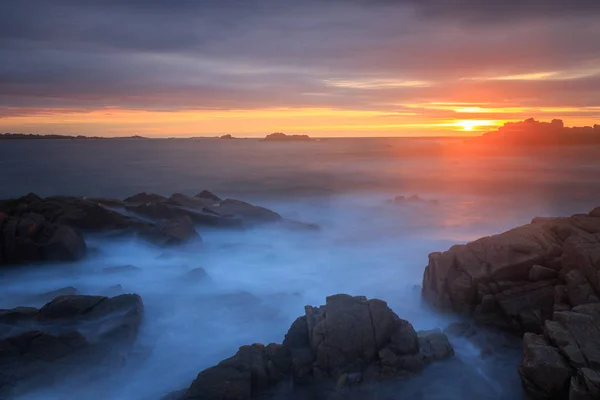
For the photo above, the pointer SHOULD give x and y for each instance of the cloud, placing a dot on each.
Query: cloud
(354, 54)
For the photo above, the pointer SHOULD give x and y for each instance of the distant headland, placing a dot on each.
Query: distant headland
(535, 133)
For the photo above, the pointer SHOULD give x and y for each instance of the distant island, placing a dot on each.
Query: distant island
(282, 137)
(32, 136)
(535, 133)
(227, 137)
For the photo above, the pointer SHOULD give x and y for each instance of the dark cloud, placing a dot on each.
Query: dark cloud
(250, 54)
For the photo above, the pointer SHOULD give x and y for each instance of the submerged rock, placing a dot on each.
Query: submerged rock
(346, 342)
(31, 238)
(69, 336)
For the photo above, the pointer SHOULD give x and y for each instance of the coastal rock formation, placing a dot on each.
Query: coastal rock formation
(31, 238)
(171, 232)
(541, 279)
(230, 208)
(66, 210)
(347, 341)
(70, 335)
(517, 279)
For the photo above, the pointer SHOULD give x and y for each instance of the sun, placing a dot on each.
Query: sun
(470, 125)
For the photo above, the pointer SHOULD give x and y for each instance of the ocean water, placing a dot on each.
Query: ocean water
(261, 279)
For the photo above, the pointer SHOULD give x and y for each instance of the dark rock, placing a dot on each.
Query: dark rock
(238, 209)
(145, 198)
(31, 238)
(73, 211)
(171, 232)
(46, 297)
(539, 273)
(121, 269)
(488, 278)
(544, 371)
(348, 341)
(196, 275)
(191, 202)
(282, 137)
(160, 211)
(206, 195)
(86, 332)
(106, 201)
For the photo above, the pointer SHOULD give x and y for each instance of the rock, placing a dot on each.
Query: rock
(171, 232)
(191, 202)
(539, 273)
(434, 345)
(106, 201)
(348, 341)
(31, 238)
(247, 212)
(282, 137)
(595, 212)
(46, 297)
(67, 336)
(121, 269)
(196, 275)
(160, 211)
(145, 198)
(490, 278)
(544, 371)
(72, 211)
(206, 195)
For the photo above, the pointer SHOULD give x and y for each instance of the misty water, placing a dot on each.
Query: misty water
(261, 279)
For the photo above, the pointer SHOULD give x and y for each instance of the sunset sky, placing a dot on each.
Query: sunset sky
(325, 68)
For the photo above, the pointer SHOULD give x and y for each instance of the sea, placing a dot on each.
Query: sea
(261, 279)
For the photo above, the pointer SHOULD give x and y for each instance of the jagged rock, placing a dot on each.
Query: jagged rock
(239, 209)
(196, 275)
(490, 278)
(145, 198)
(69, 335)
(171, 232)
(31, 238)
(163, 210)
(544, 371)
(72, 211)
(540, 273)
(348, 341)
(191, 202)
(206, 195)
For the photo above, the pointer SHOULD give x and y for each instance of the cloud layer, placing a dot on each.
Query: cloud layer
(509, 59)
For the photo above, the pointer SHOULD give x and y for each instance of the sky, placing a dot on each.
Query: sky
(319, 67)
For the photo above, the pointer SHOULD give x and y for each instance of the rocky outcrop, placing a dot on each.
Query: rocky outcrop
(145, 198)
(67, 336)
(247, 212)
(31, 238)
(169, 232)
(349, 340)
(564, 362)
(543, 280)
(76, 212)
(282, 137)
(171, 210)
(517, 279)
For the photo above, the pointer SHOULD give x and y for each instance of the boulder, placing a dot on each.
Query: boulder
(514, 280)
(171, 232)
(207, 195)
(247, 212)
(191, 202)
(31, 238)
(566, 359)
(348, 341)
(145, 198)
(196, 275)
(67, 337)
(164, 210)
(72, 211)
